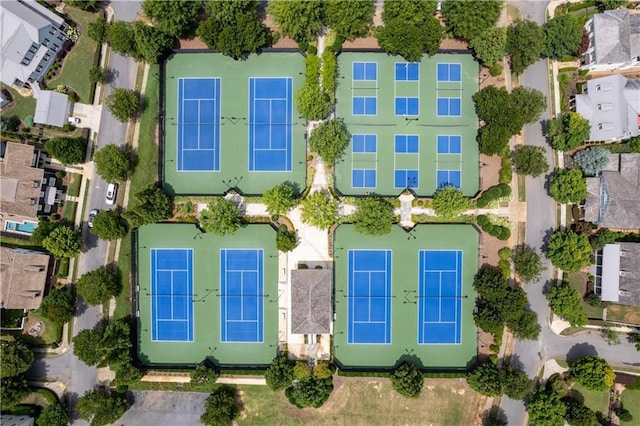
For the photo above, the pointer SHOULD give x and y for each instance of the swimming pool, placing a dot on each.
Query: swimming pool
(24, 227)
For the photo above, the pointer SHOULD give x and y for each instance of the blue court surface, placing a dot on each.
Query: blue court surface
(241, 295)
(449, 144)
(407, 106)
(172, 295)
(369, 297)
(449, 178)
(270, 124)
(198, 124)
(363, 178)
(449, 72)
(365, 105)
(407, 71)
(448, 107)
(405, 178)
(406, 144)
(364, 143)
(440, 292)
(365, 71)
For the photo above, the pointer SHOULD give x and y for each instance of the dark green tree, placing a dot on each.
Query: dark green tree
(319, 209)
(151, 42)
(204, 374)
(66, 150)
(98, 286)
(525, 326)
(601, 238)
(530, 102)
(227, 12)
(82, 4)
(562, 35)
(54, 414)
(493, 139)
(568, 131)
(414, 12)
(152, 206)
(488, 317)
(515, 382)
(113, 163)
(578, 414)
(97, 30)
(525, 42)
(98, 74)
(592, 160)
(527, 263)
(566, 303)
(59, 305)
(495, 106)
(101, 407)
(279, 375)
(469, 19)
(373, 216)
(609, 5)
(489, 46)
(87, 345)
(63, 241)
(177, 18)
(221, 408)
(531, 160)
(221, 217)
(123, 104)
(329, 140)
(42, 231)
(407, 380)
(109, 225)
(569, 251)
(546, 408)
(485, 379)
(13, 390)
(286, 240)
(450, 202)
(300, 20)
(279, 199)
(349, 18)
(309, 392)
(15, 358)
(410, 41)
(593, 372)
(490, 283)
(567, 186)
(105, 344)
(247, 36)
(311, 101)
(122, 39)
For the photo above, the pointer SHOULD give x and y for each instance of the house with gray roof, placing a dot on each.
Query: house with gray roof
(614, 40)
(613, 198)
(52, 108)
(617, 273)
(311, 311)
(612, 105)
(32, 36)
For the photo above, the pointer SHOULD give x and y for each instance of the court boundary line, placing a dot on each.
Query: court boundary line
(366, 153)
(259, 298)
(192, 309)
(395, 156)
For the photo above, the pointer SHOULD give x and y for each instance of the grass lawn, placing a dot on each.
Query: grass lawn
(22, 106)
(76, 65)
(146, 172)
(596, 400)
(522, 188)
(73, 186)
(52, 331)
(623, 313)
(69, 213)
(631, 400)
(17, 242)
(578, 283)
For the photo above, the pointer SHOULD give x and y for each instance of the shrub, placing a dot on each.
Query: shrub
(493, 193)
(506, 173)
(504, 253)
(407, 380)
(495, 70)
(500, 232)
(301, 370)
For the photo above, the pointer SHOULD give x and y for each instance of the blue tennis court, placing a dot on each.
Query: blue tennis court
(407, 71)
(449, 144)
(407, 106)
(172, 295)
(241, 295)
(405, 178)
(270, 124)
(449, 178)
(406, 144)
(369, 297)
(448, 107)
(365, 71)
(365, 105)
(449, 72)
(364, 143)
(440, 292)
(198, 124)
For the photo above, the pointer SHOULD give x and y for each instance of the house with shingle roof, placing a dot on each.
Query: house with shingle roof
(311, 301)
(23, 276)
(614, 41)
(617, 273)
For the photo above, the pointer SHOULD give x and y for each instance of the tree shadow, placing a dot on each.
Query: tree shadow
(580, 350)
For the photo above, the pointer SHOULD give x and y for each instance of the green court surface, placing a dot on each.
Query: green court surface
(404, 305)
(398, 170)
(231, 116)
(206, 304)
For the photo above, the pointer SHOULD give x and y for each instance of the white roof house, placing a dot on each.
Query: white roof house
(52, 108)
(618, 273)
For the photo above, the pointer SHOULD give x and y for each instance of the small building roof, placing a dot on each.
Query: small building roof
(621, 273)
(23, 275)
(610, 273)
(52, 108)
(615, 36)
(311, 301)
(20, 182)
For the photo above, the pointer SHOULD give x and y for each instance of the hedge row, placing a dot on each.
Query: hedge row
(493, 193)
(425, 374)
(500, 232)
(506, 172)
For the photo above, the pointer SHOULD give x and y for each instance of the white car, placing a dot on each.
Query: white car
(112, 190)
(92, 215)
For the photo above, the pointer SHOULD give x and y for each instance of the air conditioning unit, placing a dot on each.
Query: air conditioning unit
(623, 253)
(623, 273)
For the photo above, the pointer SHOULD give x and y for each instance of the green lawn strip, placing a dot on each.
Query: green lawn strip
(22, 106)
(17, 242)
(522, 188)
(70, 211)
(631, 400)
(596, 400)
(623, 313)
(52, 332)
(577, 283)
(145, 172)
(76, 65)
(73, 188)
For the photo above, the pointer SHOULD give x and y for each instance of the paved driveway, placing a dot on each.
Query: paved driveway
(165, 409)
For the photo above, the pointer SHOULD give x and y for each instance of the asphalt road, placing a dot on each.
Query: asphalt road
(541, 220)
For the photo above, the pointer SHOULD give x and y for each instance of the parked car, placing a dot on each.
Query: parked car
(74, 120)
(112, 190)
(92, 215)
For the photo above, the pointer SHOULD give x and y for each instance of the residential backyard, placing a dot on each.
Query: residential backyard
(631, 401)
(623, 313)
(578, 282)
(596, 400)
(74, 72)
